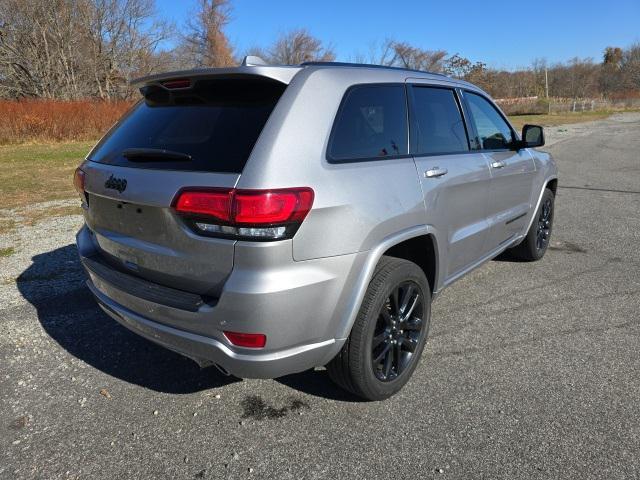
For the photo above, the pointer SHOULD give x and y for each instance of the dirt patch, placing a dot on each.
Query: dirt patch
(12, 218)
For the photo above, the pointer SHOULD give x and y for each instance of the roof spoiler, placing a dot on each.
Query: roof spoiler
(251, 66)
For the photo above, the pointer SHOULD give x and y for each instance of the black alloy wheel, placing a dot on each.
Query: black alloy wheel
(397, 332)
(544, 225)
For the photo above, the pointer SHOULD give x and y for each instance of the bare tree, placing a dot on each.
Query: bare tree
(76, 48)
(122, 37)
(298, 46)
(379, 53)
(620, 71)
(578, 78)
(205, 44)
(392, 53)
(630, 66)
(408, 56)
(38, 49)
(611, 76)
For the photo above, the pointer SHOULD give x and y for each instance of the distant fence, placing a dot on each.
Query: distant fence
(539, 105)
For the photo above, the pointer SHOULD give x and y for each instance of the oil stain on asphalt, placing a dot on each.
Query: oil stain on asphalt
(568, 247)
(256, 408)
(20, 422)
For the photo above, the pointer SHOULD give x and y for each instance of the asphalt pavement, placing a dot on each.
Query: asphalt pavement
(531, 371)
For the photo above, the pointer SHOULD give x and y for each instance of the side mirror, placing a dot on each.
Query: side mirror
(532, 136)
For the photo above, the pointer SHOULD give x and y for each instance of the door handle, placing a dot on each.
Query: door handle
(435, 172)
(498, 164)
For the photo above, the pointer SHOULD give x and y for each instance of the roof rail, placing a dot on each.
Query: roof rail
(367, 65)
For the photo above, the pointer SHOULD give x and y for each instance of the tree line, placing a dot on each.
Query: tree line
(73, 49)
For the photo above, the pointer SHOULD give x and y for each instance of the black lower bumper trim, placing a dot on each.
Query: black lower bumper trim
(142, 288)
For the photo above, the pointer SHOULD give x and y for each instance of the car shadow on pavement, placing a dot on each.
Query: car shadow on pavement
(507, 256)
(317, 383)
(55, 285)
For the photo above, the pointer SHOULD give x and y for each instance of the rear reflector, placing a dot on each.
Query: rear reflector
(249, 340)
(78, 181)
(255, 214)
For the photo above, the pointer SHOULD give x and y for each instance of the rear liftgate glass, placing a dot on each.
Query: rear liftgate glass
(208, 125)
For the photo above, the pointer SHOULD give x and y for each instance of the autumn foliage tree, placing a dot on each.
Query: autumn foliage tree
(206, 44)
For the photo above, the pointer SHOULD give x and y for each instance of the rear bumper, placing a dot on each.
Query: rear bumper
(299, 310)
(205, 350)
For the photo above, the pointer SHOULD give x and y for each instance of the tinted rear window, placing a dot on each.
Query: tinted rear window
(216, 123)
(371, 123)
(438, 120)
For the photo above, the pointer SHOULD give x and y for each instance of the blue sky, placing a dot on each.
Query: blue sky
(500, 33)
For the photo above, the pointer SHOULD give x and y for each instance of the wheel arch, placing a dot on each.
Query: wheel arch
(420, 250)
(551, 183)
(403, 244)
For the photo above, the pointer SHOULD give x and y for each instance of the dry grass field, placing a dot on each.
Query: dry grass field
(558, 118)
(55, 121)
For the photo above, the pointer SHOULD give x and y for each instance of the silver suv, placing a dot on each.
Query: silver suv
(272, 219)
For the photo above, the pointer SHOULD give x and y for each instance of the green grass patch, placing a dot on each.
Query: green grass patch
(32, 173)
(7, 252)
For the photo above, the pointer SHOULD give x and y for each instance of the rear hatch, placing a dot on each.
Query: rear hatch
(183, 133)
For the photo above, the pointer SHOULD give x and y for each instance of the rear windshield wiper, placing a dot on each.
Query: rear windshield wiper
(150, 154)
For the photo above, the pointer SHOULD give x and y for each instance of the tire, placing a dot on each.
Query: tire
(354, 368)
(535, 244)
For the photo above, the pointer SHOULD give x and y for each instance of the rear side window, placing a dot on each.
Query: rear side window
(371, 124)
(438, 121)
(492, 129)
(211, 127)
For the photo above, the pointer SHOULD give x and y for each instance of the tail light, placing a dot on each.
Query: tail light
(249, 340)
(78, 182)
(245, 214)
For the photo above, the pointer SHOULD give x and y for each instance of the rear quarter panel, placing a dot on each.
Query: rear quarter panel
(356, 204)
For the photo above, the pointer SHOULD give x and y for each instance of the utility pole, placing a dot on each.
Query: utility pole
(546, 83)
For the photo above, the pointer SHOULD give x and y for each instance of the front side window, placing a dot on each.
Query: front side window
(493, 132)
(438, 121)
(371, 124)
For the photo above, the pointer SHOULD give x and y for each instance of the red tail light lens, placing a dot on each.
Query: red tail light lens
(272, 206)
(78, 181)
(249, 340)
(255, 214)
(214, 203)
